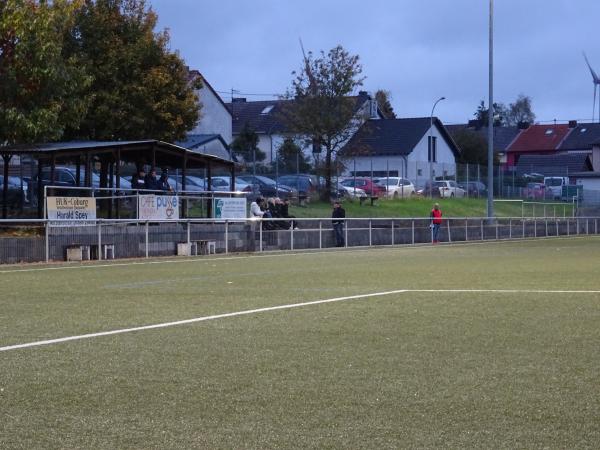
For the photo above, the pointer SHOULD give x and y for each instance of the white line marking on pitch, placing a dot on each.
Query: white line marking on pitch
(306, 252)
(280, 307)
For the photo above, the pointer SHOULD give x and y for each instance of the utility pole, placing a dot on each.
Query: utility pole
(490, 182)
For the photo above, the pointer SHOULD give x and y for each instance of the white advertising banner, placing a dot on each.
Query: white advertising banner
(71, 211)
(229, 208)
(158, 207)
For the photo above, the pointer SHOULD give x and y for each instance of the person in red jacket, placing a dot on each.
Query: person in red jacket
(436, 221)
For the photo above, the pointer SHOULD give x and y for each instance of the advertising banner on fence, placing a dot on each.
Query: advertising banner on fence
(158, 207)
(229, 208)
(71, 211)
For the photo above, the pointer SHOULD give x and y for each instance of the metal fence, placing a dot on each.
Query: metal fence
(38, 241)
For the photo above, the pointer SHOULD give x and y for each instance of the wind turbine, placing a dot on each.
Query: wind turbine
(596, 80)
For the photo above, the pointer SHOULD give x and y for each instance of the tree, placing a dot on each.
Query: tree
(520, 111)
(473, 147)
(384, 102)
(246, 145)
(291, 158)
(41, 88)
(500, 114)
(322, 109)
(140, 88)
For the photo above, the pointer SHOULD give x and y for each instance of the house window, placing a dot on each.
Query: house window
(432, 149)
(419, 172)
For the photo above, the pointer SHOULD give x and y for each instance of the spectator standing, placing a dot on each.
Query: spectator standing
(436, 222)
(256, 211)
(338, 215)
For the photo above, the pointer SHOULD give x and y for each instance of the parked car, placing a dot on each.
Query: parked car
(192, 183)
(370, 187)
(268, 187)
(429, 190)
(555, 185)
(223, 183)
(67, 177)
(16, 195)
(306, 185)
(536, 191)
(474, 188)
(397, 187)
(348, 192)
(449, 188)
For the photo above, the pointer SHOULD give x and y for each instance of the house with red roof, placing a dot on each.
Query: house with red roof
(537, 140)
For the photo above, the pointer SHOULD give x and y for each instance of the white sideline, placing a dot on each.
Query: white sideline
(304, 252)
(280, 307)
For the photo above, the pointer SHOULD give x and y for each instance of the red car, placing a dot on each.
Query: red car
(371, 188)
(536, 191)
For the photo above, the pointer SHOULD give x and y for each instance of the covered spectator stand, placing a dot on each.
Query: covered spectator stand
(100, 165)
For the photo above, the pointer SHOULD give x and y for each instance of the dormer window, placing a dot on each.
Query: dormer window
(583, 130)
(267, 110)
(549, 131)
(373, 109)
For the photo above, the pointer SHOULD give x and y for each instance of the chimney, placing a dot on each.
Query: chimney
(363, 94)
(523, 125)
(572, 124)
(474, 123)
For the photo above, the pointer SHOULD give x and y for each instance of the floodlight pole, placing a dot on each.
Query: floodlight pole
(430, 146)
(490, 183)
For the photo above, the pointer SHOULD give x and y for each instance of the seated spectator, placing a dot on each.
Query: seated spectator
(138, 180)
(163, 182)
(151, 181)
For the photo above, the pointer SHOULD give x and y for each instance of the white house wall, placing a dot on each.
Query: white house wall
(215, 119)
(416, 168)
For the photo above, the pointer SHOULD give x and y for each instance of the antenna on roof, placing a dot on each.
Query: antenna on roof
(596, 81)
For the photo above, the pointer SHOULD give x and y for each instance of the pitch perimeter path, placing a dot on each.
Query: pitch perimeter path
(488, 346)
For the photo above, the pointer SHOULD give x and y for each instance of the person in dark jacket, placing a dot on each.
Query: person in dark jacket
(284, 208)
(151, 181)
(137, 180)
(163, 182)
(338, 215)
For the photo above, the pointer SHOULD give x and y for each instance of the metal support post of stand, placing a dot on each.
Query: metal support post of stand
(370, 233)
(146, 232)
(320, 234)
(226, 237)
(393, 239)
(346, 232)
(99, 223)
(47, 232)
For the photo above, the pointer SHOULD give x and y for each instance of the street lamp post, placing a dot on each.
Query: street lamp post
(490, 182)
(430, 146)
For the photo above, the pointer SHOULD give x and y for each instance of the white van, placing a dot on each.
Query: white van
(555, 185)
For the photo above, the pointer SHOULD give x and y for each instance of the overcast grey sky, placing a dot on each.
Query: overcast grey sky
(417, 49)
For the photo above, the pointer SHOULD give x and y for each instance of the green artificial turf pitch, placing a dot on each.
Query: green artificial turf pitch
(517, 369)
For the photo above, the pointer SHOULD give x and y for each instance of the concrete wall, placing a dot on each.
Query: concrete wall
(130, 239)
